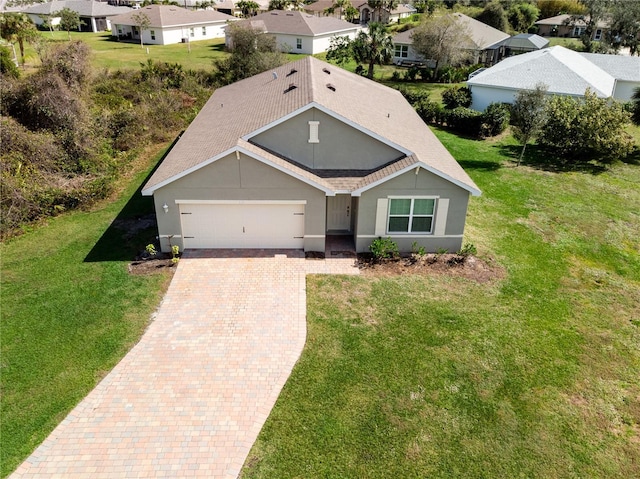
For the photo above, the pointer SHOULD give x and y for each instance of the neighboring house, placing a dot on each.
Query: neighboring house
(170, 24)
(523, 43)
(563, 26)
(485, 44)
(284, 158)
(299, 32)
(563, 71)
(369, 14)
(95, 16)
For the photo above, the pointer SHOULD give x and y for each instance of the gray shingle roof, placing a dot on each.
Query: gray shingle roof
(84, 8)
(526, 40)
(171, 15)
(236, 112)
(298, 23)
(619, 66)
(563, 71)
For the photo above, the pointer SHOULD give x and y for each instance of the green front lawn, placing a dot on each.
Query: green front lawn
(70, 310)
(534, 375)
(112, 54)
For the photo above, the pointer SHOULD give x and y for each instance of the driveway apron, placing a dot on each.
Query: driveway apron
(191, 397)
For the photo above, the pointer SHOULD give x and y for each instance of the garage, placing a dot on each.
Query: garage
(242, 224)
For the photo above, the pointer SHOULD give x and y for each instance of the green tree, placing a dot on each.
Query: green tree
(248, 8)
(373, 47)
(635, 106)
(278, 4)
(142, 22)
(349, 12)
(442, 40)
(380, 5)
(340, 50)
(17, 28)
(252, 52)
(7, 65)
(595, 11)
(528, 115)
(522, 16)
(588, 128)
(551, 8)
(494, 16)
(625, 26)
(69, 20)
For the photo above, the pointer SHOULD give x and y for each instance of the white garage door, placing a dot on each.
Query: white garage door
(246, 225)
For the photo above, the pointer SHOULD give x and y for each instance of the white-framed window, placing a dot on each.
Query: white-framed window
(299, 43)
(153, 34)
(598, 35)
(411, 215)
(401, 51)
(204, 31)
(192, 32)
(578, 31)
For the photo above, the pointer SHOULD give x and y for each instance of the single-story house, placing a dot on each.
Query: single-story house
(286, 157)
(563, 71)
(95, 16)
(563, 26)
(299, 32)
(369, 14)
(171, 24)
(485, 45)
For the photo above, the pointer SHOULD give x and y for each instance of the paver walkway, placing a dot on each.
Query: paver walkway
(191, 397)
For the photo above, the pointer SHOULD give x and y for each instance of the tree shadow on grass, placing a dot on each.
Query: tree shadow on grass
(541, 159)
(479, 165)
(132, 229)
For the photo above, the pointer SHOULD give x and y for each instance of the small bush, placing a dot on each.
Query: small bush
(468, 249)
(384, 248)
(463, 120)
(456, 97)
(495, 119)
(429, 111)
(414, 96)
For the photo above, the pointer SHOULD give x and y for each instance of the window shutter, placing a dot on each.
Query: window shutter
(441, 217)
(381, 217)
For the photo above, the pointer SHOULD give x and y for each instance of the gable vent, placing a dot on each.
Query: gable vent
(292, 86)
(331, 87)
(326, 71)
(293, 70)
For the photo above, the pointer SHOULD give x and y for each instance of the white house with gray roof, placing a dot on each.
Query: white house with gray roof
(300, 32)
(171, 24)
(563, 71)
(95, 16)
(288, 157)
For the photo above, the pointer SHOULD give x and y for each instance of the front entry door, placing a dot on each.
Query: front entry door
(339, 213)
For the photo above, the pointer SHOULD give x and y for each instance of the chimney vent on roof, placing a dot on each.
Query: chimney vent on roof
(331, 87)
(326, 71)
(293, 70)
(292, 86)
(275, 75)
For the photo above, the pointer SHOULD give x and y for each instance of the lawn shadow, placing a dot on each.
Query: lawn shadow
(538, 158)
(218, 47)
(480, 165)
(132, 229)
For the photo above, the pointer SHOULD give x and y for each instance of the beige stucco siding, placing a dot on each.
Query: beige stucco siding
(448, 195)
(240, 179)
(340, 146)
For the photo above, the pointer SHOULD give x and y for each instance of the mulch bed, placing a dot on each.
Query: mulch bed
(145, 264)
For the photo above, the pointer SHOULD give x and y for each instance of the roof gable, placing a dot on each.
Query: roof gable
(84, 8)
(237, 111)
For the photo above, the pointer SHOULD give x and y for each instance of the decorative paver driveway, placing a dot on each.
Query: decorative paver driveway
(191, 397)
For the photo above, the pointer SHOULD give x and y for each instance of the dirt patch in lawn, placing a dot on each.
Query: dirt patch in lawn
(161, 263)
(468, 267)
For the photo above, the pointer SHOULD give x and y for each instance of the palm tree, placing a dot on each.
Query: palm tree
(17, 27)
(248, 8)
(375, 47)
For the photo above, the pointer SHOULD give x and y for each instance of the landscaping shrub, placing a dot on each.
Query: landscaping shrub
(429, 111)
(414, 96)
(384, 248)
(463, 120)
(495, 120)
(456, 96)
